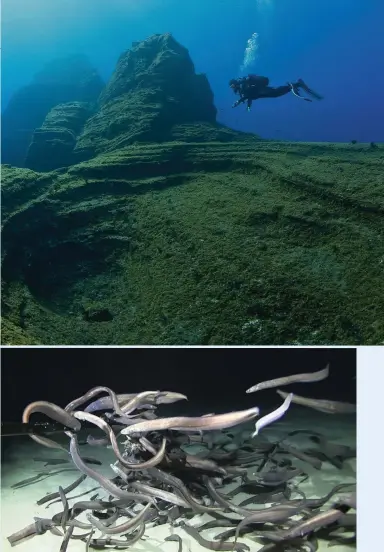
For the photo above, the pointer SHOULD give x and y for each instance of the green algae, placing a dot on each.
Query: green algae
(237, 242)
(53, 144)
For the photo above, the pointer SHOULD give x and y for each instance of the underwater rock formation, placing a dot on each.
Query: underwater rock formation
(247, 243)
(153, 88)
(62, 80)
(154, 95)
(172, 229)
(53, 144)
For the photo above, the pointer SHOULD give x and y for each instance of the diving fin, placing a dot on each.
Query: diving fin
(295, 92)
(308, 90)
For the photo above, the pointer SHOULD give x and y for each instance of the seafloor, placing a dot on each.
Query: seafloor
(199, 243)
(25, 459)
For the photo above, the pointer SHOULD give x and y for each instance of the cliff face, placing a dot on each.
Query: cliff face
(53, 143)
(61, 81)
(153, 88)
(154, 95)
(161, 63)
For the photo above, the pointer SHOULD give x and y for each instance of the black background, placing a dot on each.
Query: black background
(215, 379)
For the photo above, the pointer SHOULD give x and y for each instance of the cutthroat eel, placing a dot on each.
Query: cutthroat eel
(273, 416)
(296, 378)
(55, 413)
(322, 405)
(202, 423)
(303, 528)
(153, 397)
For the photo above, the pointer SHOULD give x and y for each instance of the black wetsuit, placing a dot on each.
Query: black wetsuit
(255, 87)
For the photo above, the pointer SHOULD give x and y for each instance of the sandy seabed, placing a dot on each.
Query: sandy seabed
(24, 459)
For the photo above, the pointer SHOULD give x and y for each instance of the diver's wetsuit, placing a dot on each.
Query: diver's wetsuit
(254, 93)
(254, 87)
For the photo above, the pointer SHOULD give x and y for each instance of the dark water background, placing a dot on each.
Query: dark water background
(215, 380)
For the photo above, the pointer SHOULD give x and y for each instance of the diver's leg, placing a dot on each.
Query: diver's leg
(269, 92)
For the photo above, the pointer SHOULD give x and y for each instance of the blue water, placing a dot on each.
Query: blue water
(337, 46)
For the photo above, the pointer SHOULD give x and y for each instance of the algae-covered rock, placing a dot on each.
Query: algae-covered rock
(176, 230)
(52, 145)
(63, 80)
(11, 334)
(207, 132)
(97, 314)
(205, 243)
(154, 95)
(153, 88)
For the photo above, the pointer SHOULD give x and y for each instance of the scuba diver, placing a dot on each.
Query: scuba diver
(254, 87)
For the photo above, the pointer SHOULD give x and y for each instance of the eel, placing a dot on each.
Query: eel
(263, 498)
(303, 528)
(314, 462)
(76, 496)
(296, 378)
(278, 513)
(105, 403)
(322, 405)
(272, 416)
(116, 543)
(67, 536)
(213, 524)
(68, 489)
(176, 538)
(55, 413)
(128, 525)
(64, 500)
(187, 481)
(158, 397)
(333, 450)
(31, 530)
(213, 545)
(92, 393)
(104, 482)
(37, 478)
(205, 464)
(51, 461)
(169, 479)
(267, 514)
(318, 502)
(160, 493)
(276, 478)
(184, 423)
(80, 415)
